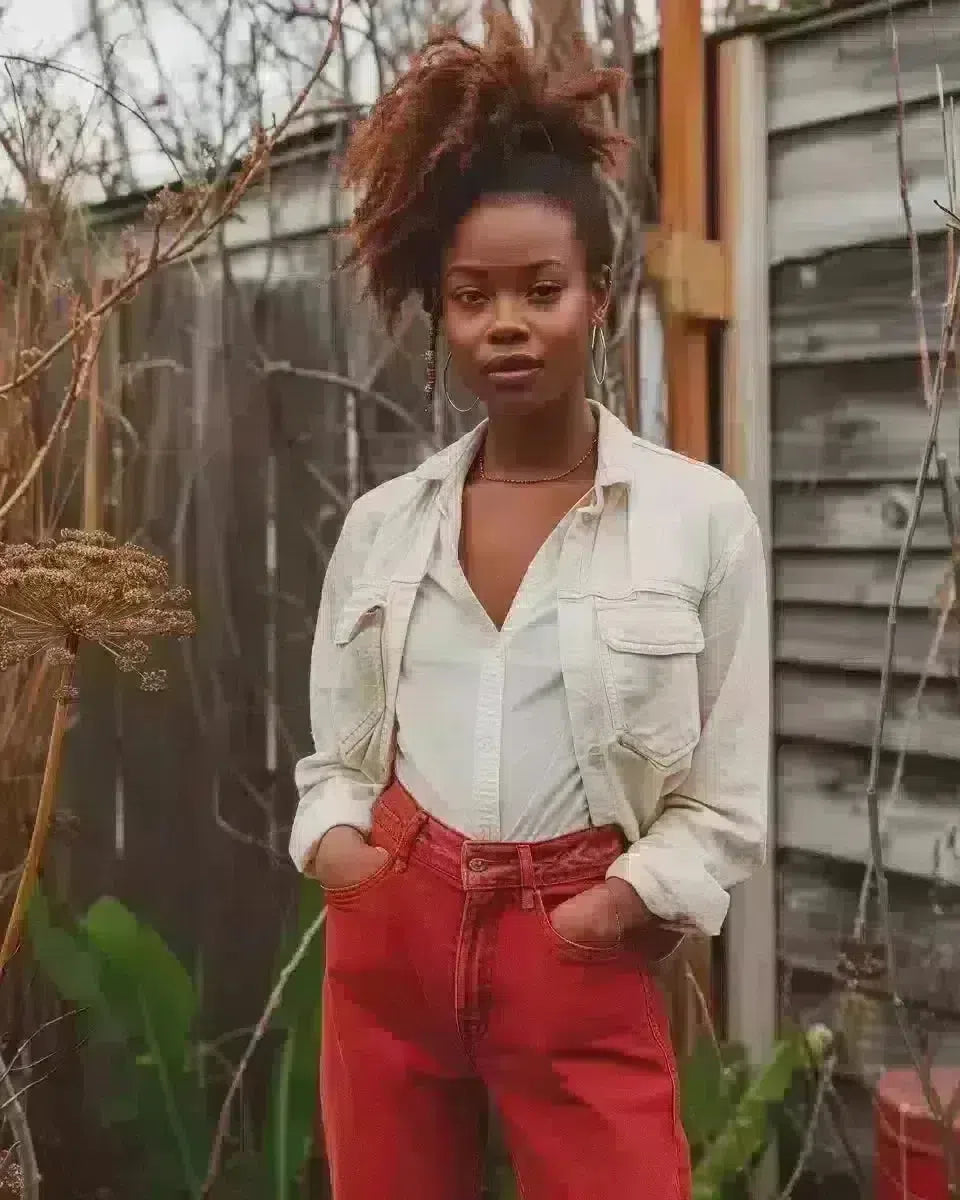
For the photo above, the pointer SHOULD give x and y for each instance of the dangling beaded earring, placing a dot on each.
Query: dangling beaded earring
(434, 403)
(430, 389)
(430, 358)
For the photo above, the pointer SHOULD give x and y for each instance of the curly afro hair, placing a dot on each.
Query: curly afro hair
(464, 122)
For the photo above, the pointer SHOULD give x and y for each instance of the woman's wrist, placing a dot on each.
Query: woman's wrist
(629, 909)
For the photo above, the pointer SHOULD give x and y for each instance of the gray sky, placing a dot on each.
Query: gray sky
(43, 27)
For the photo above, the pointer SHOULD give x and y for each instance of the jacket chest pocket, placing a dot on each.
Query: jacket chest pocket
(648, 653)
(358, 689)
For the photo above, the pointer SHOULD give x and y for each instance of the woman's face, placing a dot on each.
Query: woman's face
(518, 305)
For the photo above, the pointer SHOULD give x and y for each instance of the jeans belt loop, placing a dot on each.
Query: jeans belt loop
(528, 881)
(410, 834)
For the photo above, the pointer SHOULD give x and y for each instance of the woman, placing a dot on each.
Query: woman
(538, 685)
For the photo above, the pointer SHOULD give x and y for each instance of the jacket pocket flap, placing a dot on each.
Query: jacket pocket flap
(638, 628)
(359, 606)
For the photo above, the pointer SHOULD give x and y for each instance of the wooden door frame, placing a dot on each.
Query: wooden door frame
(703, 283)
(751, 936)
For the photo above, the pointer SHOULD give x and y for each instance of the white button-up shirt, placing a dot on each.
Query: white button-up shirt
(663, 641)
(496, 760)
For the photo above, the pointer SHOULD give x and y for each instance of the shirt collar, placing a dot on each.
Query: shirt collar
(615, 443)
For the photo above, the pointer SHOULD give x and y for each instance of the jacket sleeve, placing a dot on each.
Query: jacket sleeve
(330, 793)
(712, 831)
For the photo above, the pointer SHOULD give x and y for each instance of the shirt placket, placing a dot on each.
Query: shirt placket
(488, 741)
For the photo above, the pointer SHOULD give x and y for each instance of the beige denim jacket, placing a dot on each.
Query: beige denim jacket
(664, 643)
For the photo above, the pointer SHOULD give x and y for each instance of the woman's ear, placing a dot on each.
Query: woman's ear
(601, 295)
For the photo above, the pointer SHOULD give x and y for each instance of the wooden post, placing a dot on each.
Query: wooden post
(751, 943)
(672, 259)
(683, 210)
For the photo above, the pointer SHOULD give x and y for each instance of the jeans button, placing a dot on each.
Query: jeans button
(477, 864)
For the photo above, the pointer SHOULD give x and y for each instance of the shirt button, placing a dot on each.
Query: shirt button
(477, 864)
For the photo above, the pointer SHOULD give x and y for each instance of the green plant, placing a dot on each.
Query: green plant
(139, 1009)
(730, 1112)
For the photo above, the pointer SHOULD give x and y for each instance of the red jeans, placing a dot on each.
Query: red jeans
(446, 983)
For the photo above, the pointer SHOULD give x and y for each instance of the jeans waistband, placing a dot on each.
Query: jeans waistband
(402, 827)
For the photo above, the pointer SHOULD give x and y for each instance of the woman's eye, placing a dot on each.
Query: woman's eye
(470, 296)
(545, 292)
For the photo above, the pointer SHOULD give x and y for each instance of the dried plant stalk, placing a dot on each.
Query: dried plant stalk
(55, 595)
(41, 826)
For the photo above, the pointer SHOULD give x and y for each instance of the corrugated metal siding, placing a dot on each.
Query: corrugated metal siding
(849, 424)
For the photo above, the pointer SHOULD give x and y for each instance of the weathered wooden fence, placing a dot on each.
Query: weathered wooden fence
(849, 424)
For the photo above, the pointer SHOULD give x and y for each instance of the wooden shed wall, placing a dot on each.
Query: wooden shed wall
(848, 426)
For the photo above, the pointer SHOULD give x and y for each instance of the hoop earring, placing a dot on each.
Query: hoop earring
(600, 375)
(446, 393)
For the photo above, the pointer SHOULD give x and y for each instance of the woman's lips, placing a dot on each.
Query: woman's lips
(514, 376)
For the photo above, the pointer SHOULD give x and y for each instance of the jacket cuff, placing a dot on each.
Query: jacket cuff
(333, 802)
(688, 904)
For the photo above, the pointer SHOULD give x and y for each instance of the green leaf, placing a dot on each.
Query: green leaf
(73, 966)
(143, 1005)
(747, 1132)
(153, 991)
(143, 975)
(711, 1081)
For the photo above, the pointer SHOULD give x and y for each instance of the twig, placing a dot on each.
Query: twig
(273, 1002)
(933, 392)
(77, 386)
(896, 784)
(188, 237)
(823, 1085)
(13, 1113)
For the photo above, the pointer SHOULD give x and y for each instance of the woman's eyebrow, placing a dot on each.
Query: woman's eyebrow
(467, 268)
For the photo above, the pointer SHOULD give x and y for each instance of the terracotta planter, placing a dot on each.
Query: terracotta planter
(909, 1160)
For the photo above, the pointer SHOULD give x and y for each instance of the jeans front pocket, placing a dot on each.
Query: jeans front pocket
(566, 949)
(363, 887)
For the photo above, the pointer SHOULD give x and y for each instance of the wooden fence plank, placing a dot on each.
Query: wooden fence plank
(842, 708)
(242, 922)
(853, 639)
(830, 188)
(846, 71)
(861, 580)
(309, 443)
(156, 807)
(854, 421)
(854, 518)
(821, 808)
(818, 904)
(855, 304)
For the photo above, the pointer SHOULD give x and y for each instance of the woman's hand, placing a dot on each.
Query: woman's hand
(602, 915)
(345, 858)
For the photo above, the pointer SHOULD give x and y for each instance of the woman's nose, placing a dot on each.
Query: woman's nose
(508, 321)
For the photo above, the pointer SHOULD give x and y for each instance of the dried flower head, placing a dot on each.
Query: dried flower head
(174, 206)
(11, 1179)
(84, 587)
